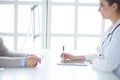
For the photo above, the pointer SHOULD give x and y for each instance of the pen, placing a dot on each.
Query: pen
(63, 48)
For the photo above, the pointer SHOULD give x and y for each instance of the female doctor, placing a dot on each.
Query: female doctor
(108, 59)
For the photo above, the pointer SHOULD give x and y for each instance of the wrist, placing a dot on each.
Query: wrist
(23, 60)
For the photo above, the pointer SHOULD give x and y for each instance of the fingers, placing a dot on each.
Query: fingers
(67, 56)
(35, 64)
(32, 61)
(36, 58)
(64, 55)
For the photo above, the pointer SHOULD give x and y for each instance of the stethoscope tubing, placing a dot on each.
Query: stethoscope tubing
(110, 35)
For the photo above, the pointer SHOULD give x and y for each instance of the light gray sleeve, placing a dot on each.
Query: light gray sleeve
(5, 52)
(7, 57)
(7, 62)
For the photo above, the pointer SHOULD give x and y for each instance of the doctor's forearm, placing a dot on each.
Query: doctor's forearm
(80, 57)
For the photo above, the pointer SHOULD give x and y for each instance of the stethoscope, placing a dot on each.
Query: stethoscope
(109, 36)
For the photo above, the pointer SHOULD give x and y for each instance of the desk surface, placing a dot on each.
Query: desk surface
(49, 70)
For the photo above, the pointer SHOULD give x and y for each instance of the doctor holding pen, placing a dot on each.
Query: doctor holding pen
(108, 59)
(9, 59)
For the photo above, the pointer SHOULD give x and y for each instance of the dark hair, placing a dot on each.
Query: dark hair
(114, 1)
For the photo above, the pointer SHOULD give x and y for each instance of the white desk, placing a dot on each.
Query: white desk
(48, 70)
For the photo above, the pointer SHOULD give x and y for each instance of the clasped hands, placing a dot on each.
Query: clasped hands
(32, 61)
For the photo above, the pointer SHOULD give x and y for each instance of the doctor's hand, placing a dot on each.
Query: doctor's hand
(67, 56)
(32, 61)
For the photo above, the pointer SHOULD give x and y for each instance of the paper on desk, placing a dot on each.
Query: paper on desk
(73, 63)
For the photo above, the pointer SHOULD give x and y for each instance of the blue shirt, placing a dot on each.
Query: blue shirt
(23, 60)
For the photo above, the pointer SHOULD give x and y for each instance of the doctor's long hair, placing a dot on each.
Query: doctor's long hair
(114, 1)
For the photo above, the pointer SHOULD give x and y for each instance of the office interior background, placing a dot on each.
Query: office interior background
(28, 25)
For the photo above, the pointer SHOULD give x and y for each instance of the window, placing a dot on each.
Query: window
(17, 28)
(31, 0)
(24, 18)
(29, 23)
(76, 24)
(7, 20)
(87, 1)
(89, 20)
(62, 19)
(63, 0)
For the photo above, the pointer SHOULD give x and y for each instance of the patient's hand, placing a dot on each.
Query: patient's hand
(32, 61)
